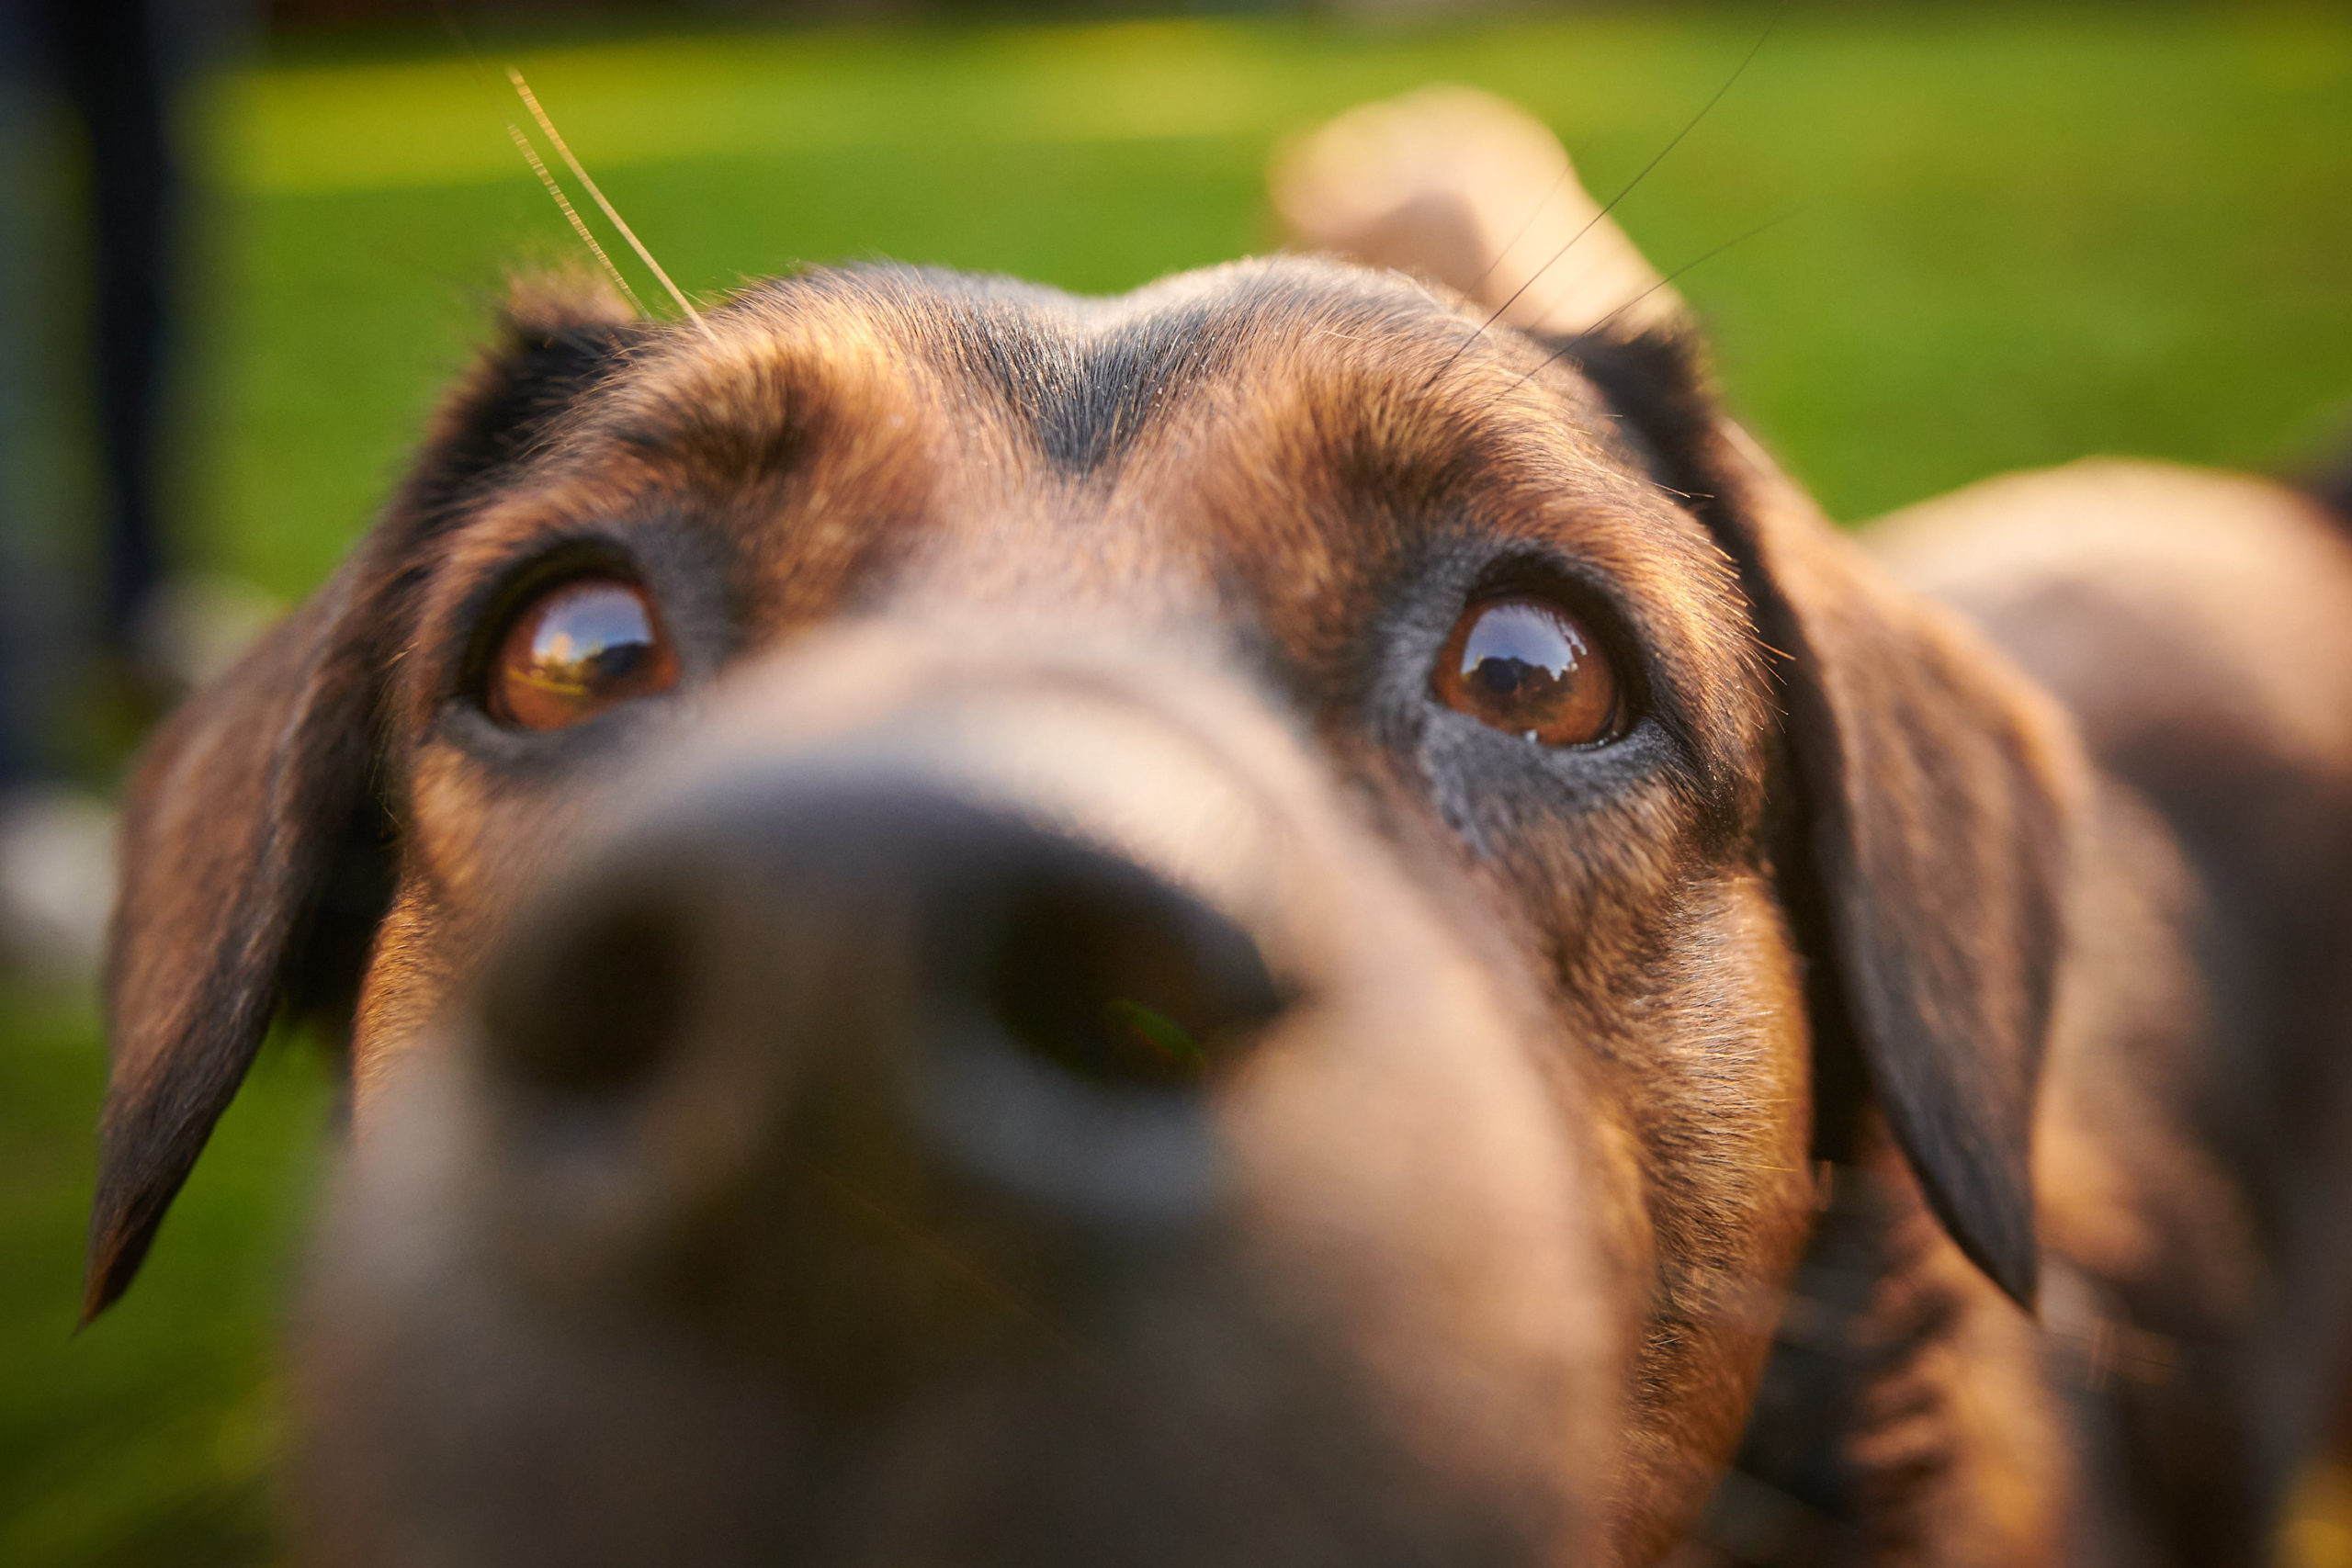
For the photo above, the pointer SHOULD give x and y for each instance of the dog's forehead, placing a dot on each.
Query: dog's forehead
(1258, 413)
(1291, 361)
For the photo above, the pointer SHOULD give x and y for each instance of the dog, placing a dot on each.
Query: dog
(1306, 917)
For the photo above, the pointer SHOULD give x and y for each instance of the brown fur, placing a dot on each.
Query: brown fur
(1510, 1301)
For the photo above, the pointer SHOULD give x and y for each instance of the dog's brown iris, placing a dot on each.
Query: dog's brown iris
(575, 651)
(1525, 665)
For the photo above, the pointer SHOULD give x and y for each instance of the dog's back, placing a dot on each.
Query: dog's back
(2198, 627)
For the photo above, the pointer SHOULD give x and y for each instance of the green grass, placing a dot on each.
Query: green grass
(2019, 236)
(148, 1438)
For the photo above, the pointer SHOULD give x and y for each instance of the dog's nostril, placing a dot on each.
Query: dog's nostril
(1112, 976)
(594, 1007)
(884, 921)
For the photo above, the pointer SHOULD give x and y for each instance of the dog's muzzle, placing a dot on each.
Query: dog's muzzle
(971, 1111)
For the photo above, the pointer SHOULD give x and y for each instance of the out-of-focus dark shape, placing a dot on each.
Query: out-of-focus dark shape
(122, 63)
(92, 625)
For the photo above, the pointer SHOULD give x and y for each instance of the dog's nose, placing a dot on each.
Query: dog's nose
(858, 973)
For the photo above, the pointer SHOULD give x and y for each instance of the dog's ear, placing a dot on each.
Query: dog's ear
(257, 850)
(1930, 834)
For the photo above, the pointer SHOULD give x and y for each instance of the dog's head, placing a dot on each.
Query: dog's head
(983, 927)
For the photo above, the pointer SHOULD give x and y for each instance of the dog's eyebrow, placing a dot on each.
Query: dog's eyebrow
(1076, 382)
(753, 406)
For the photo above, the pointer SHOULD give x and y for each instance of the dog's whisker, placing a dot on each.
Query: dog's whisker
(1504, 250)
(1610, 205)
(1602, 324)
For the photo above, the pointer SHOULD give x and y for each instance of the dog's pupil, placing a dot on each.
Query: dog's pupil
(1519, 649)
(1503, 676)
(615, 661)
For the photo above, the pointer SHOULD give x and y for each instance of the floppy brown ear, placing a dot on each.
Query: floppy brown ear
(1934, 784)
(256, 854)
(1935, 789)
(236, 824)
(1938, 790)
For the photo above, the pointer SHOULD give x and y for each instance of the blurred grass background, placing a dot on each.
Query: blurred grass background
(2019, 235)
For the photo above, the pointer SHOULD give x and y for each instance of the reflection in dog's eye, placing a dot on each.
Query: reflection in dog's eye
(576, 650)
(1525, 665)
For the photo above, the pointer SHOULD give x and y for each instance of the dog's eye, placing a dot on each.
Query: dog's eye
(1525, 665)
(576, 650)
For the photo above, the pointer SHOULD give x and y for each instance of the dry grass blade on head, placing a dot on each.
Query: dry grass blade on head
(554, 188)
(572, 214)
(531, 102)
